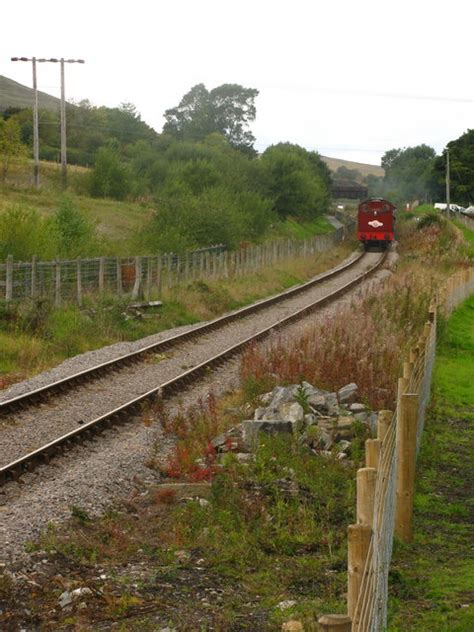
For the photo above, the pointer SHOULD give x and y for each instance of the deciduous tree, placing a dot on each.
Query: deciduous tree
(11, 147)
(227, 109)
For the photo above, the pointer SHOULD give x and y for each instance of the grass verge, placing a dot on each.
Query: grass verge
(432, 580)
(266, 546)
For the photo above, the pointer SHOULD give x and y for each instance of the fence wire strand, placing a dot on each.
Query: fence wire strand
(68, 280)
(371, 608)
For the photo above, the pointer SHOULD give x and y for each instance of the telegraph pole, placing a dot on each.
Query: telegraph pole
(54, 60)
(448, 201)
(35, 121)
(63, 129)
(35, 128)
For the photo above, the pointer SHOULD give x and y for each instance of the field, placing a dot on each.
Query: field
(335, 163)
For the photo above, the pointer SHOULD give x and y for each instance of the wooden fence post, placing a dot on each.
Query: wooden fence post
(9, 279)
(118, 265)
(57, 283)
(406, 456)
(137, 287)
(160, 274)
(169, 265)
(79, 281)
(358, 541)
(383, 423)
(335, 623)
(101, 274)
(34, 265)
(149, 277)
(372, 452)
(366, 477)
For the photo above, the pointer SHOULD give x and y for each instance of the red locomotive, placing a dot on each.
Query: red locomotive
(375, 222)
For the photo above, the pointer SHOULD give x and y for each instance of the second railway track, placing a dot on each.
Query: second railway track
(77, 414)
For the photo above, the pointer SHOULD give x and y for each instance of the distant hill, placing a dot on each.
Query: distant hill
(16, 95)
(335, 163)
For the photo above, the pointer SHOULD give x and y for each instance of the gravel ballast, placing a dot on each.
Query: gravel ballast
(28, 430)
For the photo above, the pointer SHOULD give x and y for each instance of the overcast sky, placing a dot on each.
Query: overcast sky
(348, 78)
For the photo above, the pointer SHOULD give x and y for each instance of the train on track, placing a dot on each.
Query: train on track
(375, 223)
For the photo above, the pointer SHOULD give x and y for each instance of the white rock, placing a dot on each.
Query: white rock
(347, 392)
(80, 592)
(288, 603)
(291, 411)
(357, 408)
(259, 413)
(65, 599)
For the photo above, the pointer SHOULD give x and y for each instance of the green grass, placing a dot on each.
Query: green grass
(271, 531)
(300, 229)
(117, 223)
(432, 579)
(468, 238)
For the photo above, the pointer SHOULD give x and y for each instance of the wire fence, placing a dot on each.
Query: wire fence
(385, 487)
(466, 220)
(148, 276)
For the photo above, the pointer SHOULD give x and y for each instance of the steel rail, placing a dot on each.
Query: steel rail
(15, 469)
(19, 401)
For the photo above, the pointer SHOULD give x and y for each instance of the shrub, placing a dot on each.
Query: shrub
(24, 233)
(73, 233)
(109, 178)
(431, 218)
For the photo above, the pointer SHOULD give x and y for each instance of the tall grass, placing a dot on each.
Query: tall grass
(364, 343)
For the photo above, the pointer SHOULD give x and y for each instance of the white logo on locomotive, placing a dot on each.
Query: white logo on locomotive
(375, 223)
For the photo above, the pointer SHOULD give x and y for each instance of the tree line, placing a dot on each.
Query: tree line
(417, 173)
(202, 173)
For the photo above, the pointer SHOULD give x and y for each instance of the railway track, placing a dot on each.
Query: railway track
(13, 470)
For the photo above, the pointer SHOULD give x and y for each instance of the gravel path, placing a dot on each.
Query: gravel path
(28, 430)
(93, 477)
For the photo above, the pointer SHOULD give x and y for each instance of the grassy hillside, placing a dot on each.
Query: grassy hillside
(117, 223)
(335, 163)
(16, 95)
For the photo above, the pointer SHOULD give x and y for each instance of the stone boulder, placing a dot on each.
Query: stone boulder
(253, 427)
(347, 393)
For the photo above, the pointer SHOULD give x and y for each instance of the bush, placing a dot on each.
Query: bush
(109, 178)
(215, 216)
(73, 233)
(431, 219)
(24, 233)
(295, 181)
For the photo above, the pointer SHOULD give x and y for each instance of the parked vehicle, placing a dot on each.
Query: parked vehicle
(454, 208)
(375, 223)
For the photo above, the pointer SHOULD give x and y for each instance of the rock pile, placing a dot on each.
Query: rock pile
(326, 421)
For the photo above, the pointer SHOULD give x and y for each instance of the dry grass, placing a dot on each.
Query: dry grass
(208, 298)
(364, 343)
